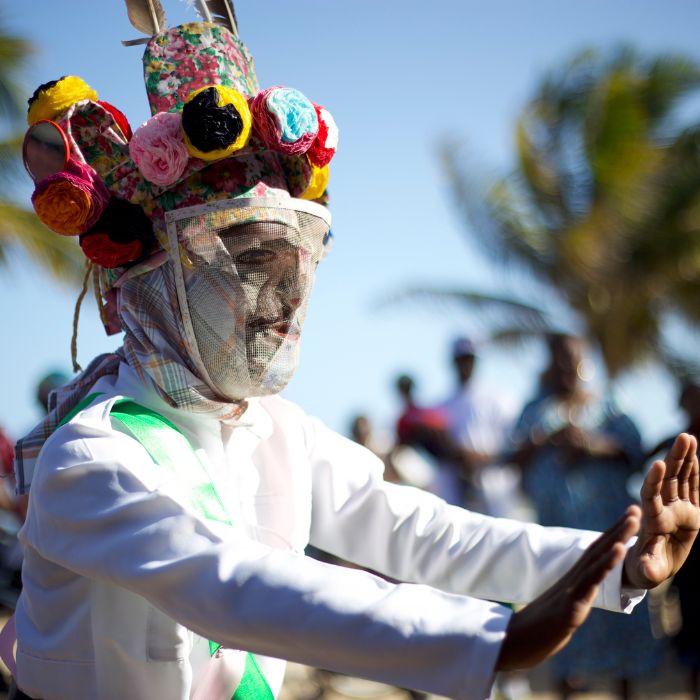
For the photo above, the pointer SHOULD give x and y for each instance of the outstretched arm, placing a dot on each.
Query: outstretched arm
(670, 517)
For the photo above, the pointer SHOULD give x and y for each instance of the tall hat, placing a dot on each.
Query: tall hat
(213, 135)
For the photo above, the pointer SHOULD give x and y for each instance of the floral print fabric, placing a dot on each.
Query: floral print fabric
(185, 58)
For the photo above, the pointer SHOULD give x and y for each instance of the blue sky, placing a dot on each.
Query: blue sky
(399, 78)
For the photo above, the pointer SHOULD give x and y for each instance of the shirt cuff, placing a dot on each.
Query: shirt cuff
(614, 596)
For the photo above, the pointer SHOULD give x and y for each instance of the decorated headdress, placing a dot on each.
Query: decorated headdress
(211, 183)
(213, 135)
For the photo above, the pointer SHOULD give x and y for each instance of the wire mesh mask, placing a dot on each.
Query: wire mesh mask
(244, 274)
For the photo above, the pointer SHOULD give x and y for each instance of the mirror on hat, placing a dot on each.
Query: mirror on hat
(45, 150)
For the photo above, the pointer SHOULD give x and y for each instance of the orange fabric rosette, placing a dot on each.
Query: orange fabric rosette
(70, 202)
(62, 207)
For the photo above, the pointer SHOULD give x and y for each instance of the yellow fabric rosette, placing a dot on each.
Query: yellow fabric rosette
(317, 185)
(53, 101)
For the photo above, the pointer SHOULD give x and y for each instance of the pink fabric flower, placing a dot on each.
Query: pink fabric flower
(158, 150)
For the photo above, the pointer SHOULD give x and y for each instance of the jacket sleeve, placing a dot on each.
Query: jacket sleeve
(415, 536)
(97, 509)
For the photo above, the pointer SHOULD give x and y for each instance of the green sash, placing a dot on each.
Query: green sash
(171, 450)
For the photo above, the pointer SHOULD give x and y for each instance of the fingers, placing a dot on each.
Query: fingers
(626, 526)
(688, 471)
(650, 492)
(586, 585)
(684, 475)
(679, 459)
(694, 484)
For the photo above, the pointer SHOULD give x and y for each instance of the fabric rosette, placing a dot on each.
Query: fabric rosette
(318, 183)
(103, 251)
(52, 99)
(285, 120)
(71, 201)
(324, 146)
(123, 235)
(216, 122)
(158, 150)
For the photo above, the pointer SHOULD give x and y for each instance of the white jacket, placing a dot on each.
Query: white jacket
(124, 582)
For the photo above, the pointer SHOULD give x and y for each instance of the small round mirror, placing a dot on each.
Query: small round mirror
(45, 150)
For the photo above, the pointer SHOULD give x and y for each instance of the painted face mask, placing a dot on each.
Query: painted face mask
(244, 276)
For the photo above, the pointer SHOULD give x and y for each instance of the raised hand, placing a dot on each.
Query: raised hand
(543, 627)
(670, 517)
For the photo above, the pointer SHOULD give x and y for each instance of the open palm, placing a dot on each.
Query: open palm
(670, 516)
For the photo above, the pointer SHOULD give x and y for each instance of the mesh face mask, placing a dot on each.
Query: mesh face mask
(244, 275)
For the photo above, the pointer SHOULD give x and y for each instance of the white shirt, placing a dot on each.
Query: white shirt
(124, 582)
(477, 420)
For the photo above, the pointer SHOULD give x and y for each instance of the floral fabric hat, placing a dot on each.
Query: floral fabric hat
(213, 135)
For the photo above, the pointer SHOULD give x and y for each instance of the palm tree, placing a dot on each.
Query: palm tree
(19, 227)
(603, 207)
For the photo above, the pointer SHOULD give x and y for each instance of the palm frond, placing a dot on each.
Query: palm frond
(492, 307)
(20, 229)
(516, 337)
(10, 159)
(669, 79)
(604, 203)
(496, 216)
(13, 53)
(539, 172)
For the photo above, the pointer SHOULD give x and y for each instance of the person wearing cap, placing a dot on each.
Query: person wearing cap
(173, 491)
(476, 423)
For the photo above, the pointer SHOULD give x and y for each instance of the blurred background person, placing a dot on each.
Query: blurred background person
(420, 426)
(421, 438)
(363, 433)
(7, 490)
(50, 382)
(13, 508)
(478, 425)
(577, 451)
(403, 464)
(12, 513)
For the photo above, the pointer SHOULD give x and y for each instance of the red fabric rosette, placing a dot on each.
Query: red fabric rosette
(323, 148)
(123, 235)
(102, 250)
